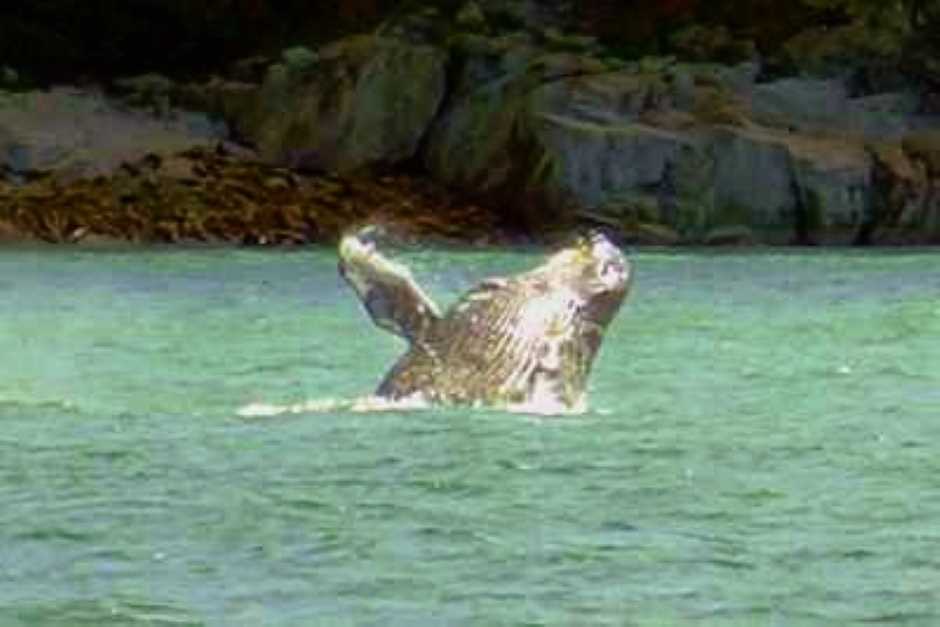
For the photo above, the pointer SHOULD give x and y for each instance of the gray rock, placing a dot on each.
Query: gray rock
(561, 124)
(593, 94)
(704, 145)
(889, 115)
(359, 102)
(824, 105)
(738, 80)
(832, 179)
(800, 103)
(75, 132)
(709, 151)
(593, 162)
(811, 188)
(483, 140)
(753, 172)
(683, 87)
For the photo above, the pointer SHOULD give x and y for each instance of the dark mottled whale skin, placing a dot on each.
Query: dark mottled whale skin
(525, 342)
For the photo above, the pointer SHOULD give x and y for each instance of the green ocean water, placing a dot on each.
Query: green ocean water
(763, 449)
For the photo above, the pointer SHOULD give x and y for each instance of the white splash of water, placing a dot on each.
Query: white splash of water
(547, 405)
(367, 404)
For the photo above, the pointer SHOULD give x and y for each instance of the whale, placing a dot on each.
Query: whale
(525, 342)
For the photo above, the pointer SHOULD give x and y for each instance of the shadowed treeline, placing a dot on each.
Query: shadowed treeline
(62, 40)
(66, 40)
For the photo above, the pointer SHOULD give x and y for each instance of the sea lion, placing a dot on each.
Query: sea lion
(525, 342)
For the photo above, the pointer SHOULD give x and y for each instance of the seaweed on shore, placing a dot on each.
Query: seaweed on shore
(212, 196)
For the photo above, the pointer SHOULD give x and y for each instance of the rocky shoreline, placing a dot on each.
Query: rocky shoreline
(82, 167)
(529, 132)
(210, 196)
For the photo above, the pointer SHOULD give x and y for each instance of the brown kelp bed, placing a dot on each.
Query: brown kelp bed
(214, 196)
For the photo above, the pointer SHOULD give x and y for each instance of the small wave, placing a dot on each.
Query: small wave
(54, 533)
(100, 612)
(19, 404)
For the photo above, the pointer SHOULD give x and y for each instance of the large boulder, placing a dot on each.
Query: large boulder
(832, 179)
(472, 144)
(559, 126)
(359, 102)
(623, 146)
(593, 161)
(753, 176)
(803, 188)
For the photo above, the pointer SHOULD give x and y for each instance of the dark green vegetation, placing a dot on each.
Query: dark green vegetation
(112, 37)
(63, 40)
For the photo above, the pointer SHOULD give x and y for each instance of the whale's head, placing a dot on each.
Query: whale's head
(595, 269)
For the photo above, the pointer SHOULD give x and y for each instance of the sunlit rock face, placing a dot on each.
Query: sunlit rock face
(525, 342)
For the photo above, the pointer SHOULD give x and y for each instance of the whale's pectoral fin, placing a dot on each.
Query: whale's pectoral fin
(387, 290)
